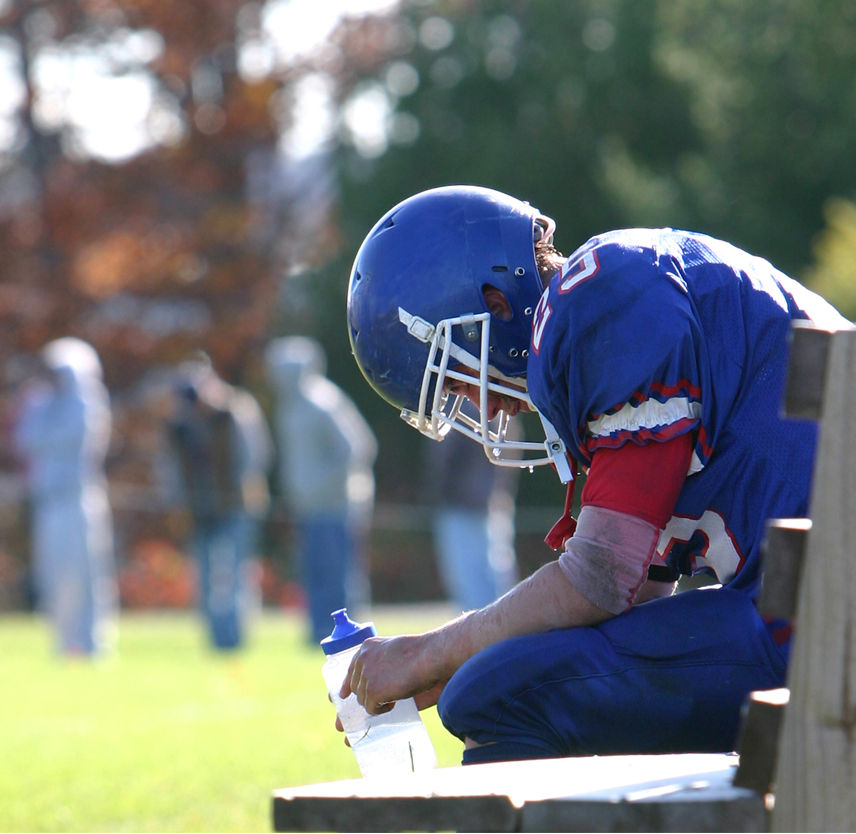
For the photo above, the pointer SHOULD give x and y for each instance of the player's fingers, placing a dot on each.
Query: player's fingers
(360, 688)
(369, 698)
(363, 690)
(429, 697)
(341, 729)
(351, 678)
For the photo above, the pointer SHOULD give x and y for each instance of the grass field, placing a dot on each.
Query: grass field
(169, 736)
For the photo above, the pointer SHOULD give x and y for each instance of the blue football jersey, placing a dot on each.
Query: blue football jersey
(646, 334)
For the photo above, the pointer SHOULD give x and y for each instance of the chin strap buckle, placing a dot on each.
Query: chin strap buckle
(557, 451)
(416, 326)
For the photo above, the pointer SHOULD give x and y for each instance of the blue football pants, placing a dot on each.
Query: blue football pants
(668, 676)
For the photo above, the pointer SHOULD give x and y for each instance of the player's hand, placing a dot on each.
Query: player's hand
(386, 669)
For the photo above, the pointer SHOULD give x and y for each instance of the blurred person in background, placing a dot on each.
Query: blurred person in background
(473, 510)
(62, 434)
(224, 452)
(327, 453)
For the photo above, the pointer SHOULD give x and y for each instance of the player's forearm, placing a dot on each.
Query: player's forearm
(544, 601)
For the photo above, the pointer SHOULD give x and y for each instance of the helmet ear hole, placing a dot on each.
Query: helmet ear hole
(497, 303)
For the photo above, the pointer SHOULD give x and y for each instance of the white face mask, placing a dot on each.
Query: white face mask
(436, 418)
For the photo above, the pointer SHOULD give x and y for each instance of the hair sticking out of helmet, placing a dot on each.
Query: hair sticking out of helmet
(548, 259)
(418, 315)
(545, 228)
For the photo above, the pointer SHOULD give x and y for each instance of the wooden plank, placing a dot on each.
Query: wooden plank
(783, 552)
(405, 813)
(495, 797)
(745, 812)
(692, 802)
(759, 739)
(807, 363)
(816, 773)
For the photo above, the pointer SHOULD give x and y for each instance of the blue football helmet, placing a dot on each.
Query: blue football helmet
(417, 314)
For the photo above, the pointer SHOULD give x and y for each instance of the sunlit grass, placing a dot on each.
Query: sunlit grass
(169, 736)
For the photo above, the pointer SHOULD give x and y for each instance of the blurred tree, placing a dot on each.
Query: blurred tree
(153, 257)
(833, 274)
(141, 203)
(549, 102)
(773, 101)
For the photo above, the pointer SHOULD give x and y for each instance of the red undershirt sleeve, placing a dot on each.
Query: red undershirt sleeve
(643, 481)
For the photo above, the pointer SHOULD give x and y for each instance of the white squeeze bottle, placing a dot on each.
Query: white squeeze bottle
(385, 745)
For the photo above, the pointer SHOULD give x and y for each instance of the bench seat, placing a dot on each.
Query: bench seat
(687, 792)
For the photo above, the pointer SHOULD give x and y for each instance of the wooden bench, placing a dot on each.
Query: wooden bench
(602, 793)
(797, 765)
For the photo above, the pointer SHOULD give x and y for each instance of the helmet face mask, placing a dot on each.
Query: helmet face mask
(418, 316)
(439, 411)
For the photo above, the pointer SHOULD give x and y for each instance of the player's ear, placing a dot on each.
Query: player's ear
(497, 303)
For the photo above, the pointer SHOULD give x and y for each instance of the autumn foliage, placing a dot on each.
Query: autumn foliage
(149, 260)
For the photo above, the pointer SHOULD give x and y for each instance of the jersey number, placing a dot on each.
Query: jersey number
(715, 549)
(579, 271)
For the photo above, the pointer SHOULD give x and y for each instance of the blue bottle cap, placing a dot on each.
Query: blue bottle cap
(346, 633)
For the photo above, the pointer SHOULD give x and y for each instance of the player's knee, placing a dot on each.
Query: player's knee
(464, 703)
(452, 706)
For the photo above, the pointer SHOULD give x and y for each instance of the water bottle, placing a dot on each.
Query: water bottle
(388, 744)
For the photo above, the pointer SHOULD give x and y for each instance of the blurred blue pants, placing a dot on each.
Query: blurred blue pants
(668, 676)
(475, 554)
(223, 547)
(326, 555)
(74, 570)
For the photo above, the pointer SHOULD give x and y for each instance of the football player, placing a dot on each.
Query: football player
(656, 360)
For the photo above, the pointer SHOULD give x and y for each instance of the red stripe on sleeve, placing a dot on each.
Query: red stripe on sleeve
(644, 481)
